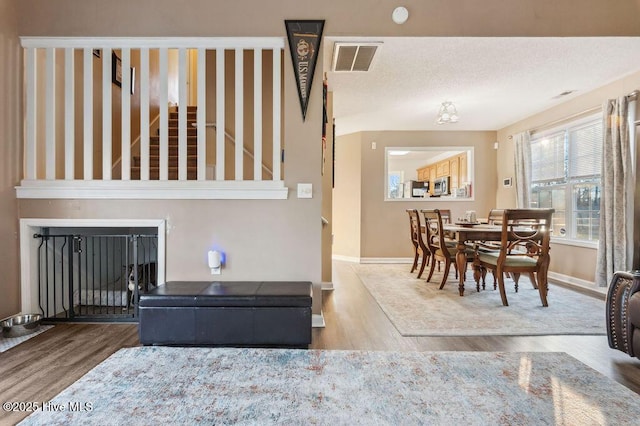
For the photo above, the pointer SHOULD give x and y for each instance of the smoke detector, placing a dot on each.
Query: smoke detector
(353, 56)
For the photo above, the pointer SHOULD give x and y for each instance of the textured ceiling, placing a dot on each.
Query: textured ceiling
(494, 82)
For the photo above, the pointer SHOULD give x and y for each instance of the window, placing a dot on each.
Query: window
(395, 185)
(411, 173)
(566, 167)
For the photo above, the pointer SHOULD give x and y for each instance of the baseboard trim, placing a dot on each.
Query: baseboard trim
(327, 286)
(583, 286)
(386, 260)
(372, 259)
(317, 320)
(345, 258)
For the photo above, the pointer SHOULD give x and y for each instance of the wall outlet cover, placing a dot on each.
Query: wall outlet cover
(305, 190)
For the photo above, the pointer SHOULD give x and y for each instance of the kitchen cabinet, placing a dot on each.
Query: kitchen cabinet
(442, 168)
(423, 174)
(456, 168)
(432, 178)
(454, 173)
(463, 169)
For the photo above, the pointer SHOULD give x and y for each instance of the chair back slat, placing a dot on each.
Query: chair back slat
(433, 229)
(445, 215)
(416, 229)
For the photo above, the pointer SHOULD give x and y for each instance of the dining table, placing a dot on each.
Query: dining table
(463, 233)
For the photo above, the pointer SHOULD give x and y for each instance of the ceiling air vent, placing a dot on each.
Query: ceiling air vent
(349, 57)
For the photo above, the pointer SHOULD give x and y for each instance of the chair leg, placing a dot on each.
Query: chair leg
(503, 293)
(542, 287)
(533, 280)
(484, 277)
(425, 259)
(415, 260)
(431, 269)
(476, 275)
(447, 266)
(455, 267)
(493, 272)
(516, 278)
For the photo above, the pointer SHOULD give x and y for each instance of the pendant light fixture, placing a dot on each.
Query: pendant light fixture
(448, 113)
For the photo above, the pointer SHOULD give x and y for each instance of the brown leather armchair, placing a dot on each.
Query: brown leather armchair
(623, 313)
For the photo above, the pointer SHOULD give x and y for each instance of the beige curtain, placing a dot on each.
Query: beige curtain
(614, 204)
(522, 163)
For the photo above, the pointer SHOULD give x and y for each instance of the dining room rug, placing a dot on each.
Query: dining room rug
(169, 385)
(418, 308)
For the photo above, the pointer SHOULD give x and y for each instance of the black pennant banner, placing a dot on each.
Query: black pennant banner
(304, 43)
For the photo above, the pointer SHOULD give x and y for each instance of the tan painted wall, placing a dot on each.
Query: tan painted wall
(327, 200)
(10, 156)
(578, 262)
(250, 17)
(385, 223)
(347, 196)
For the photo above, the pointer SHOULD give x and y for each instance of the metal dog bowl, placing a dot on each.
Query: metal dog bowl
(20, 325)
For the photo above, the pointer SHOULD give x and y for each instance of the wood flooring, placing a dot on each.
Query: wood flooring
(43, 366)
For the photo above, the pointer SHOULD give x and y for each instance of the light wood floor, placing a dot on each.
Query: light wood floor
(43, 366)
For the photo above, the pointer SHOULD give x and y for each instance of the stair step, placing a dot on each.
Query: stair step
(191, 139)
(191, 131)
(191, 115)
(154, 173)
(174, 122)
(173, 150)
(154, 161)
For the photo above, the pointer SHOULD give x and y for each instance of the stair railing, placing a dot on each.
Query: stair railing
(122, 82)
(233, 141)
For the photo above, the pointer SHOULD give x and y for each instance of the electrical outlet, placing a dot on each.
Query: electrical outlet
(305, 190)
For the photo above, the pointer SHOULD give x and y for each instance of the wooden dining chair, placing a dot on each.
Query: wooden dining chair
(445, 214)
(524, 248)
(495, 217)
(441, 251)
(420, 248)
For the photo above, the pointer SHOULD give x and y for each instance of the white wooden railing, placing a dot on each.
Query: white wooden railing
(60, 123)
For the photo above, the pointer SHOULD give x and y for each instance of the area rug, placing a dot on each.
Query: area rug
(418, 308)
(163, 385)
(7, 343)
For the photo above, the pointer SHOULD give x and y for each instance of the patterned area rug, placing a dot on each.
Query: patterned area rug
(418, 308)
(162, 385)
(7, 343)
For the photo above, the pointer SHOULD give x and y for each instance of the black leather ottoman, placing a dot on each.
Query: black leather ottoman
(251, 313)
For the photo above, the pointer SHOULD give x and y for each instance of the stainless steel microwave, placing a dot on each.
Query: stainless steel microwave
(441, 186)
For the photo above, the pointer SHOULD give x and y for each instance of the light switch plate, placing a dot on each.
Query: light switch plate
(305, 190)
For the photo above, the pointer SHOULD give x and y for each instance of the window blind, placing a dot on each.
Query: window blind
(548, 158)
(585, 150)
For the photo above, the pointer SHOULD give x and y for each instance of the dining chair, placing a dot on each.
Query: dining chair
(441, 250)
(419, 246)
(495, 217)
(523, 248)
(445, 214)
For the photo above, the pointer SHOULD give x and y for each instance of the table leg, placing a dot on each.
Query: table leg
(461, 261)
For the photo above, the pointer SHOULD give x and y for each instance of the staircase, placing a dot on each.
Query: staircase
(154, 150)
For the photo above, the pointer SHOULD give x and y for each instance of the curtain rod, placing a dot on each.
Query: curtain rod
(562, 120)
(576, 115)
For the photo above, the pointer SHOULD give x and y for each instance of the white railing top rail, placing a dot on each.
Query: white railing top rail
(154, 42)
